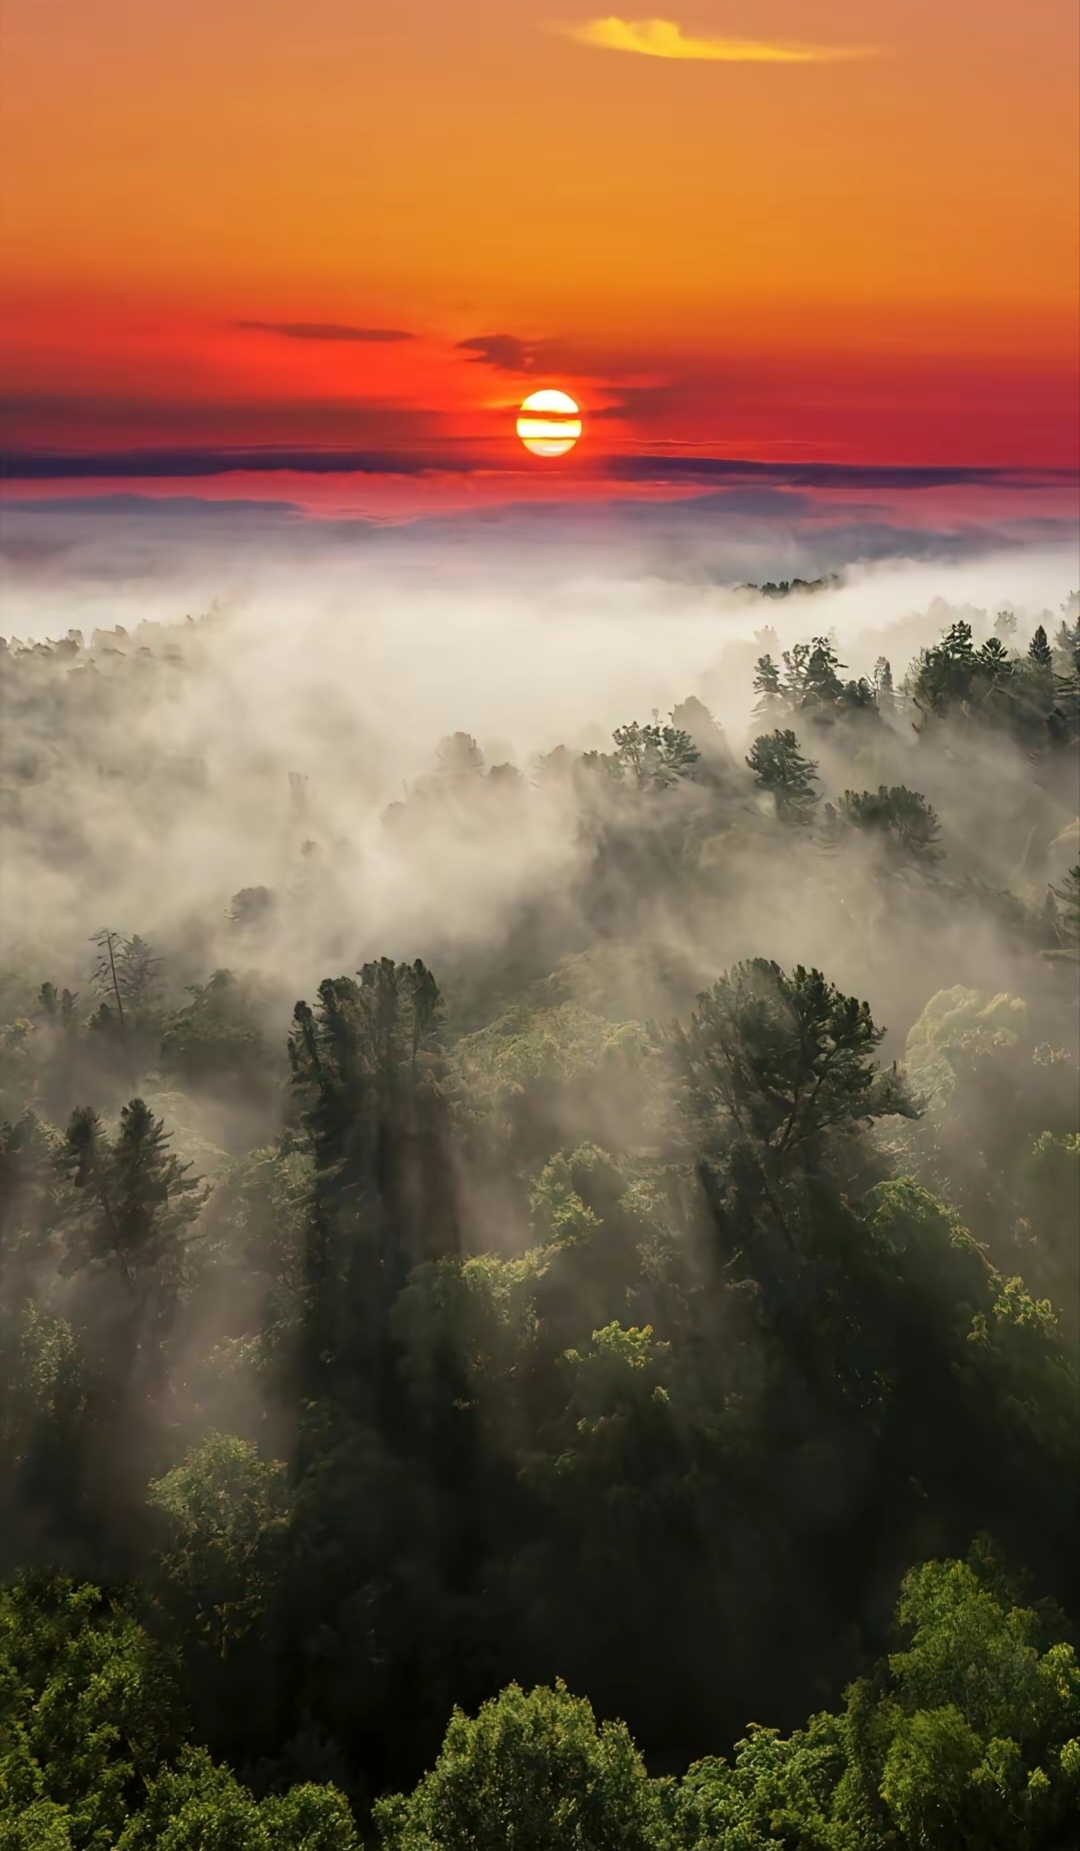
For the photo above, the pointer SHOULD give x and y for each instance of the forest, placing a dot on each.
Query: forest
(600, 1370)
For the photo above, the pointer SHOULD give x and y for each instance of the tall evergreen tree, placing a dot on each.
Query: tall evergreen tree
(780, 769)
(369, 1065)
(1039, 650)
(883, 683)
(654, 757)
(128, 1223)
(770, 704)
(132, 1206)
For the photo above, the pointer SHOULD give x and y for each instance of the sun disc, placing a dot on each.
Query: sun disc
(549, 423)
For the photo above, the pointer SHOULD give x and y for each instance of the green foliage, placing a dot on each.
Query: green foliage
(770, 703)
(255, 1231)
(811, 678)
(968, 1738)
(995, 1134)
(776, 1792)
(132, 1203)
(90, 1720)
(653, 757)
(535, 1075)
(216, 1038)
(883, 683)
(538, 1340)
(964, 1739)
(531, 1771)
(812, 684)
(369, 1065)
(901, 819)
(947, 673)
(41, 1383)
(88, 1708)
(41, 1826)
(126, 972)
(199, 1806)
(1050, 1201)
(1039, 650)
(962, 1022)
(28, 1195)
(954, 681)
(780, 769)
(226, 1511)
(780, 1062)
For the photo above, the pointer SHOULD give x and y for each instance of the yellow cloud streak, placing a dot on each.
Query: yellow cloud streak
(662, 38)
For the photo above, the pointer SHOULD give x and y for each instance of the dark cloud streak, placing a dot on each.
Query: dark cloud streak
(707, 470)
(644, 468)
(506, 352)
(111, 465)
(327, 331)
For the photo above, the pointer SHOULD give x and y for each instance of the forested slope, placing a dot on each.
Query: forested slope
(594, 1306)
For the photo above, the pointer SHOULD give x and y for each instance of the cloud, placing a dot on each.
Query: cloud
(515, 353)
(634, 401)
(166, 508)
(662, 38)
(510, 353)
(210, 460)
(55, 422)
(506, 352)
(694, 470)
(327, 331)
(644, 467)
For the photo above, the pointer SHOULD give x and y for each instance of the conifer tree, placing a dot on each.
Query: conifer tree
(883, 683)
(127, 1226)
(653, 757)
(368, 1063)
(779, 768)
(899, 817)
(1039, 650)
(133, 1204)
(770, 704)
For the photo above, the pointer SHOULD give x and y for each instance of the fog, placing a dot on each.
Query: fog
(274, 701)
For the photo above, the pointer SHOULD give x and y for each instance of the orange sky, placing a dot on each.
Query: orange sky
(870, 258)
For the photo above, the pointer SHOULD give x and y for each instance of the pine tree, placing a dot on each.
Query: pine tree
(899, 817)
(883, 683)
(654, 757)
(1039, 650)
(126, 973)
(770, 704)
(131, 1207)
(127, 1224)
(778, 1062)
(369, 1066)
(946, 674)
(780, 769)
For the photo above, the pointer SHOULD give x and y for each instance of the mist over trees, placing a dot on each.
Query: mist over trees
(601, 1368)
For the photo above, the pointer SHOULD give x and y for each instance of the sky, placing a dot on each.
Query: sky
(321, 251)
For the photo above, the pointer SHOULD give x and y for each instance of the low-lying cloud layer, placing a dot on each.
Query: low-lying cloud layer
(260, 749)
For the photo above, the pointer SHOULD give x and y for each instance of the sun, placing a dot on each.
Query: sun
(549, 423)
